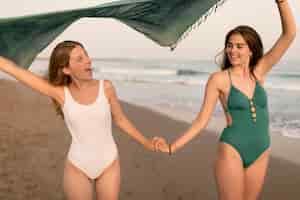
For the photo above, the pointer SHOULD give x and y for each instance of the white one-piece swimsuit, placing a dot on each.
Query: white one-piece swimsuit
(93, 148)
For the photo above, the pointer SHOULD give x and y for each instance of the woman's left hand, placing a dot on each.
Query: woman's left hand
(160, 144)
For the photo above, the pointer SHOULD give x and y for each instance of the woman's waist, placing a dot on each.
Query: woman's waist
(248, 128)
(91, 136)
(244, 117)
(92, 154)
(93, 144)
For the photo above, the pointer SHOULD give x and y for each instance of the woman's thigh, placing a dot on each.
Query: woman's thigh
(77, 186)
(229, 173)
(255, 176)
(108, 184)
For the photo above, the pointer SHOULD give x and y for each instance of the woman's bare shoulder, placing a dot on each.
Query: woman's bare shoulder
(219, 77)
(108, 85)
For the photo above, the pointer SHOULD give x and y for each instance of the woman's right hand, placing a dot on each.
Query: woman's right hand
(160, 144)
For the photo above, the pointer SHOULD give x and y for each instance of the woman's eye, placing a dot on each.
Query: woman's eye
(229, 46)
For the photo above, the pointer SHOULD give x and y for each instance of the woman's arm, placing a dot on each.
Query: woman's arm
(120, 118)
(284, 41)
(30, 79)
(201, 121)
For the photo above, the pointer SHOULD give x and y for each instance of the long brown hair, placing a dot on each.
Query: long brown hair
(253, 41)
(59, 59)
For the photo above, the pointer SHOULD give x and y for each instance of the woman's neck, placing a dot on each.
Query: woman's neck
(81, 84)
(242, 71)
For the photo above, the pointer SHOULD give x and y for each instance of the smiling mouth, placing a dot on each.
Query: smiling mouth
(89, 70)
(234, 57)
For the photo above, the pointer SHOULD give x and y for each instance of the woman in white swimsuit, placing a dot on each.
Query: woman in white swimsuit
(88, 107)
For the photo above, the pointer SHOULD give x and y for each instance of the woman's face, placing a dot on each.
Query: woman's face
(79, 65)
(238, 51)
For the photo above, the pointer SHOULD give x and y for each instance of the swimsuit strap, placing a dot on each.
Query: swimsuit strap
(252, 74)
(256, 80)
(229, 75)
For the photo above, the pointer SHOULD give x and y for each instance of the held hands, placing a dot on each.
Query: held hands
(161, 145)
(157, 144)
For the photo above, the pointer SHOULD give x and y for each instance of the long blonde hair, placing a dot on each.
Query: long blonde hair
(59, 59)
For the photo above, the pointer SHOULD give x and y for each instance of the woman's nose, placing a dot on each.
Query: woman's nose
(88, 61)
(234, 47)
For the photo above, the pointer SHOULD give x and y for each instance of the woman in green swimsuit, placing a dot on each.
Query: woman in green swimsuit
(244, 144)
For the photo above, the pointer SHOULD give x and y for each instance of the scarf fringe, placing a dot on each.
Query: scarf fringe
(195, 25)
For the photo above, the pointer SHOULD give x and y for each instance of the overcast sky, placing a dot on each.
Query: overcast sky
(110, 38)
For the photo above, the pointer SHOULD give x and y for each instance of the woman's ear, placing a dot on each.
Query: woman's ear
(251, 54)
(66, 70)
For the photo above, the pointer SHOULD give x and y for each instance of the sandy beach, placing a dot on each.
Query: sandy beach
(34, 142)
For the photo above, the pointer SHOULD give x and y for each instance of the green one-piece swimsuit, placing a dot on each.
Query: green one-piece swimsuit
(249, 132)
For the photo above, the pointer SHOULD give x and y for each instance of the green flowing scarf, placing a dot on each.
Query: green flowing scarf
(165, 22)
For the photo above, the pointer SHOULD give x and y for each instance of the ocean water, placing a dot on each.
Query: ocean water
(176, 87)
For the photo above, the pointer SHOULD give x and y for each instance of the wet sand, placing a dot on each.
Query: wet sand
(34, 142)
